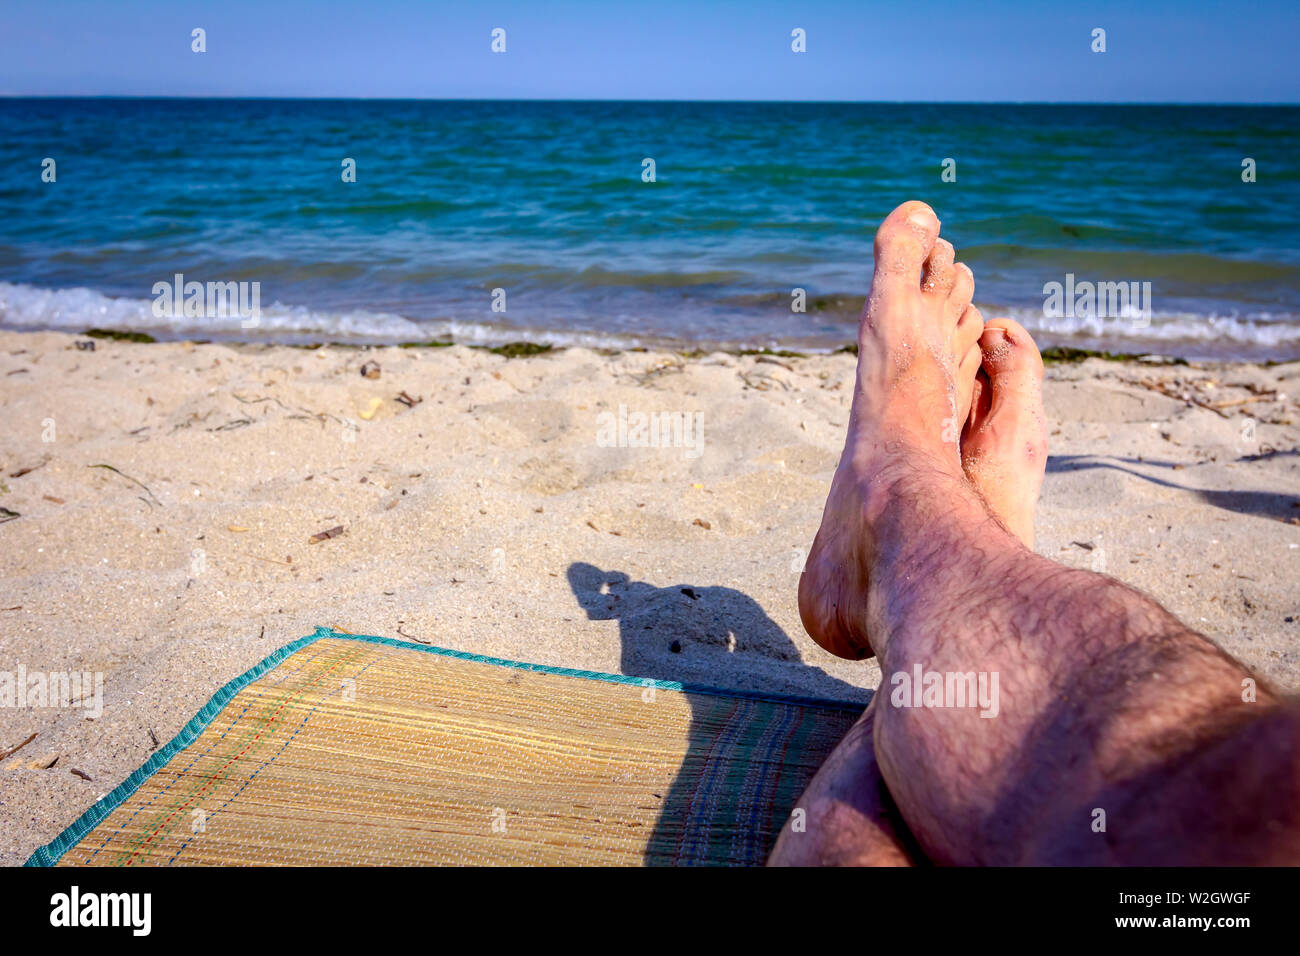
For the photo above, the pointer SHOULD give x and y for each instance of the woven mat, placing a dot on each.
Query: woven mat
(344, 749)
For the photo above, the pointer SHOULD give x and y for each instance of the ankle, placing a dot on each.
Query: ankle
(925, 520)
(895, 457)
(903, 478)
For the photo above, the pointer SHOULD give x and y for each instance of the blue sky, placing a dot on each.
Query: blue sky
(1157, 51)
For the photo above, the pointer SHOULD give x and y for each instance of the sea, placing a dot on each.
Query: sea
(660, 224)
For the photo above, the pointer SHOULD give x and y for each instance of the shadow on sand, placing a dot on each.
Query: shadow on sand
(691, 634)
(1264, 504)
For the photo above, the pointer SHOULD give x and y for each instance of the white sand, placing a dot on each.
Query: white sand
(466, 515)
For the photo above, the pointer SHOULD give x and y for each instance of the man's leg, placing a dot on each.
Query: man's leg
(849, 817)
(1110, 714)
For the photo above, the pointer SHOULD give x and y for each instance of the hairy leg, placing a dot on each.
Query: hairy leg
(850, 818)
(1120, 736)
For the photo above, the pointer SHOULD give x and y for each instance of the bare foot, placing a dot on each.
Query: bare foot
(917, 361)
(849, 817)
(1004, 445)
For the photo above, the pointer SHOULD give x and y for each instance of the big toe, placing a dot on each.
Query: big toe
(903, 242)
(1010, 357)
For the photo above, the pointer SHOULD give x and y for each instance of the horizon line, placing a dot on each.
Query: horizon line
(563, 99)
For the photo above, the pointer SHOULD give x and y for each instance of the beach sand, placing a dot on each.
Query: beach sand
(487, 516)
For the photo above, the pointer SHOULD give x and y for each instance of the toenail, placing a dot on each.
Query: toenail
(922, 219)
(994, 347)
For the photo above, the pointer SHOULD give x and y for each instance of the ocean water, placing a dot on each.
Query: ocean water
(546, 201)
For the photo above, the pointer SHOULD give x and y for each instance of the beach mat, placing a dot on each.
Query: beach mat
(354, 750)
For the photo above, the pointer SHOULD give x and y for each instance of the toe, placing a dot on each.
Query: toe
(965, 342)
(968, 370)
(968, 331)
(1010, 356)
(937, 278)
(903, 242)
(962, 291)
(981, 400)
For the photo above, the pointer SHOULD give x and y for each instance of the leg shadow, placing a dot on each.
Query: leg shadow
(1264, 504)
(692, 635)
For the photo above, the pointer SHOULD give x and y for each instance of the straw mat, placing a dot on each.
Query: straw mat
(350, 749)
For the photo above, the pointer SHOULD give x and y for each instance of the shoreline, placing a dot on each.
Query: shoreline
(1052, 355)
(1200, 337)
(524, 346)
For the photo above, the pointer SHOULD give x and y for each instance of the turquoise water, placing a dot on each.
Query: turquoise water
(546, 201)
